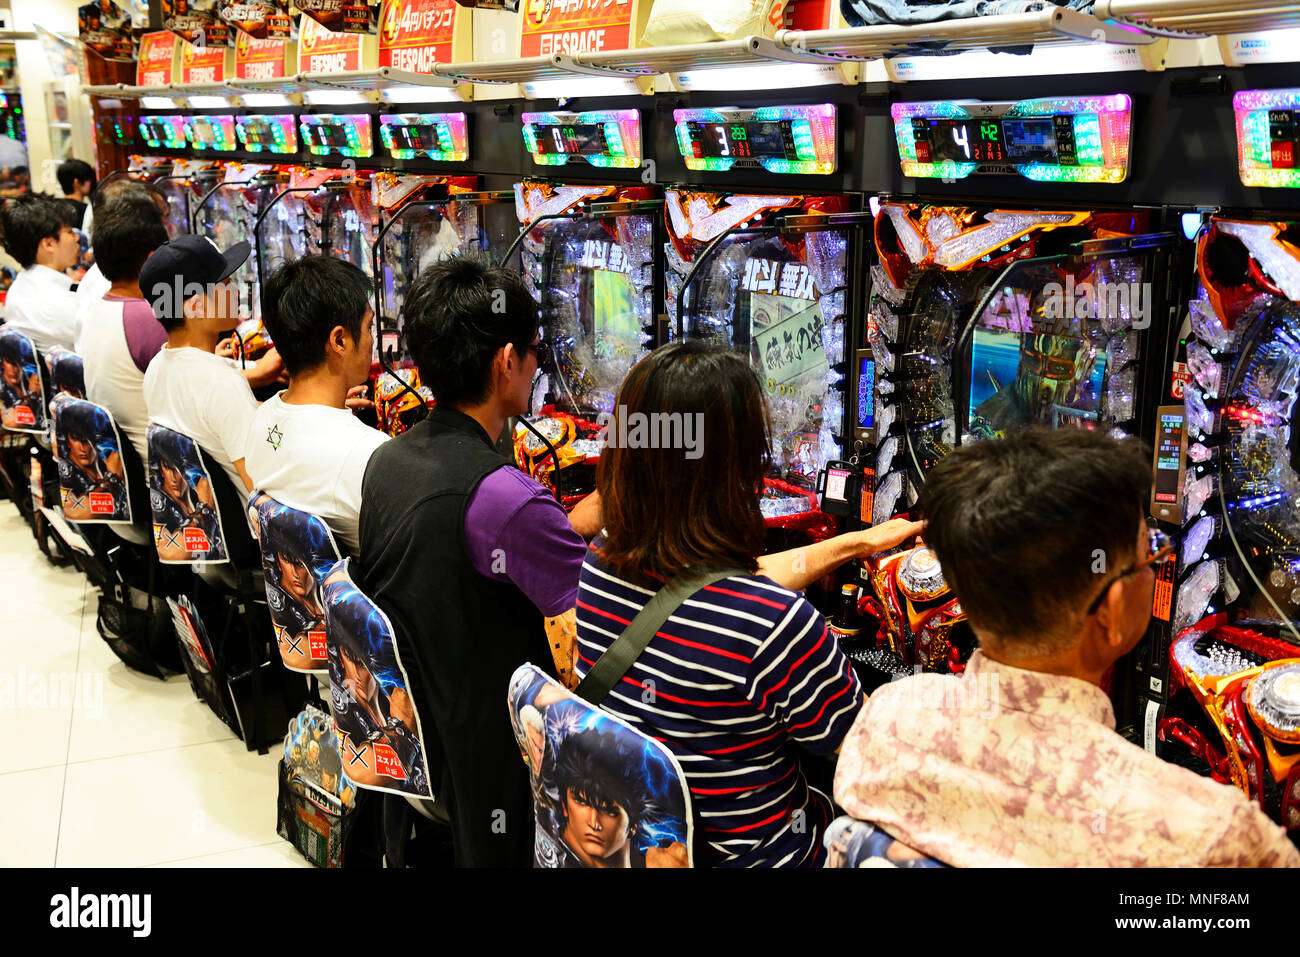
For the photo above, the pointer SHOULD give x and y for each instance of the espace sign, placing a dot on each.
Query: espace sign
(416, 34)
(321, 50)
(577, 26)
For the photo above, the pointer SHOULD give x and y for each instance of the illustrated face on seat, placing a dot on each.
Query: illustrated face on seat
(380, 734)
(22, 392)
(67, 373)
(92, 475)
(604, 794)
(186, 525)
(852, 843)
(297, 552)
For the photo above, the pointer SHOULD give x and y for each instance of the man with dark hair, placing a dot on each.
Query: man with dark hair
(305, 448)
(93, 285)
(1016, 762)
(464, 553)
(39, 232)
(77, 180)
(119, 333)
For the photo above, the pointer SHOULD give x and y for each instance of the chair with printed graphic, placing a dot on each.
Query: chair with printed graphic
(604, 794)
(67, 374)
(104, 497)
(853, 843)
(297, 550)
(199, 521)
(379, 727)
(31, 477)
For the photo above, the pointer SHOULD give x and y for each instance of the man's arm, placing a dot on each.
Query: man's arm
(243, 474)
(585, 517)
(798, 568)
(265, 370)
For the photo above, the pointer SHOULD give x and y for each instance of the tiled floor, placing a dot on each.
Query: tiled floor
(100, 765)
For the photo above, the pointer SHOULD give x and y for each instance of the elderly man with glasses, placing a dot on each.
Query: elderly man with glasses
(1043, 537)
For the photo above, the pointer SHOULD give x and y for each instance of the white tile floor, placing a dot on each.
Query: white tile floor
(101, 766)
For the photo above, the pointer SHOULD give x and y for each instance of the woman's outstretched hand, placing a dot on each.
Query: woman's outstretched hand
(891, 534)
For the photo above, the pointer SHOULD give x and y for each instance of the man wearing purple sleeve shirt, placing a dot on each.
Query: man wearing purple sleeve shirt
(465, 554)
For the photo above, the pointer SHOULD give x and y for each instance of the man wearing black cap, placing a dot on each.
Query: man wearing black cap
(187, 387)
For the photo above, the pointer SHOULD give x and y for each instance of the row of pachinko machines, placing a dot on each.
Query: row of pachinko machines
(888, 331)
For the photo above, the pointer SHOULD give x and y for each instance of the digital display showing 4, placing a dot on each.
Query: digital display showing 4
(572, 139)
(1048, 139)
(753, 140)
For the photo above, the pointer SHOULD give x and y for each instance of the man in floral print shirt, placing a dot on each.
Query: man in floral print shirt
(1043, 538)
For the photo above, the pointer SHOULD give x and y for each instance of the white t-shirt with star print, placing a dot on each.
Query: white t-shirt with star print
(312, 458)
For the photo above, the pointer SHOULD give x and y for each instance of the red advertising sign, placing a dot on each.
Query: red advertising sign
(574, 26)
(196, 541)
(324, 51)
(416, 34)
(258, 59)
(101, 503)
(202, 65)
(387, 762)
(154, 67)
(316, 639)
(808, 15)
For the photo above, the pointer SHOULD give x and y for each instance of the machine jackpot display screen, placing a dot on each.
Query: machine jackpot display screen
(1268, 137)
(783, 139)
(438, 136)
(211, 132)
(163, 132)
(345, 135)
(1020, 379)
(271, 134)
(1083, 139)
(604, 138)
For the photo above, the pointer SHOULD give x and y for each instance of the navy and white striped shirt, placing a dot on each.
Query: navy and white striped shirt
(740, 677)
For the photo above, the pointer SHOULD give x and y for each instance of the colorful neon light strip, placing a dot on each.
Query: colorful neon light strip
(282, 128)
(622, 136)
(173, 127)
(452, 135)
(223, 133)
(1254, 143)
(903, 114)
(356, 128)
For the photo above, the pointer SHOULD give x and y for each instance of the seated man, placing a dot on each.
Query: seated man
(464, 553)
(1043, 537)
(119, 333)
(93, 285)
(38, 231)
(187, 387)
(305, 448)
(77, 180)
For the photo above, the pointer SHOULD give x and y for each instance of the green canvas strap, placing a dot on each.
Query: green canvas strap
(610, 668)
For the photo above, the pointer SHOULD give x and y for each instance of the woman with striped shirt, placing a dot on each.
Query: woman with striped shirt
(744, 676)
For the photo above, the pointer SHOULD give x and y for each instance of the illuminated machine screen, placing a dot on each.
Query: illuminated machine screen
(163, 132)
(1066, 139)
(348, 135)
(616, 331)
(1169, 457)
(572, 139)
(866, 392)
(323, 135)
(787, 346)
(745, 140)
(277, 134)
(1021, 379)
(1268, 137)
(779, 139)
(439, 136)
(212, 132)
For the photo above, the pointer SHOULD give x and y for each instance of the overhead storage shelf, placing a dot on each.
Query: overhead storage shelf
(1120, 23)
(1184, 18)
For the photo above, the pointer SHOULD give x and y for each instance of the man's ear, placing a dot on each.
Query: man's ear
(1110, 615)
(339, 339)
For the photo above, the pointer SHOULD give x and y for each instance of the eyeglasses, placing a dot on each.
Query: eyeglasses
(542, 349)
(1160, 549)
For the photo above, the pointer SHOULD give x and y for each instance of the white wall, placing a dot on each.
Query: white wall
(58, 16)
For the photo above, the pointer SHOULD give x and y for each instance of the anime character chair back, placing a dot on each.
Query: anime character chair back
(378, 725)
(22, 385)
(604, 794)
(94, 484)
(67, 373)
(298, 551)
(187, 525)
(853, 843)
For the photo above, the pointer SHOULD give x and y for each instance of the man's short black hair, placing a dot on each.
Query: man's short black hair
(125, 231)
(116, 186)
(73, 171)
(457, 313)
(1029, 528)
(26, 220)
(304, 299)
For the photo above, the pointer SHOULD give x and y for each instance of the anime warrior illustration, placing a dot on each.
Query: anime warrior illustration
(186, 526)
(604, 795)
(92, 476)
(378, 727)
(22, 400)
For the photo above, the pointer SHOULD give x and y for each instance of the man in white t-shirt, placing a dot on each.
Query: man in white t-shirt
(187, 387)
(305, 448)
(38, 232)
